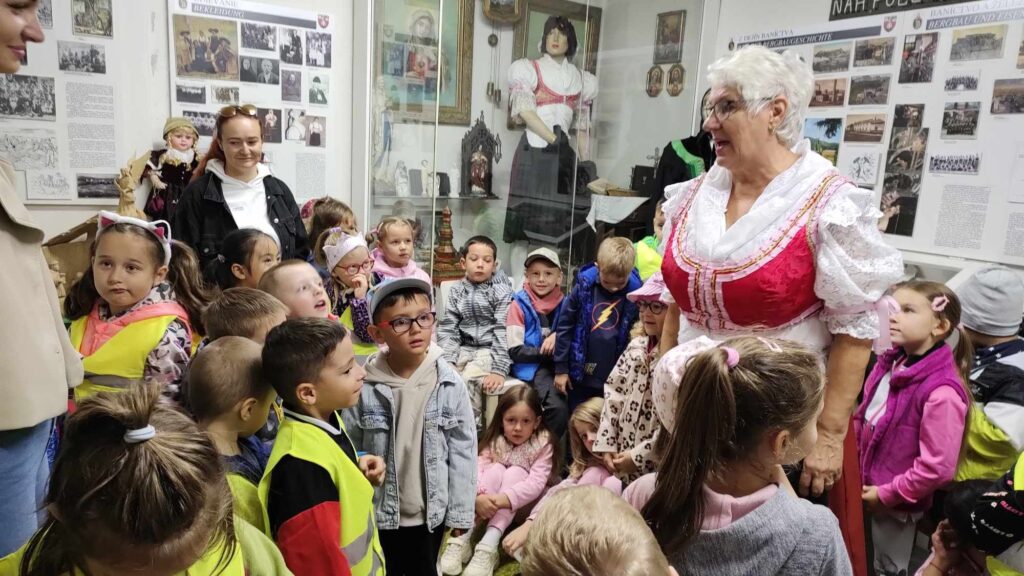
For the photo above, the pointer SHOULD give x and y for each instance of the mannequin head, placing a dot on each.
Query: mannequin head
(559, 38)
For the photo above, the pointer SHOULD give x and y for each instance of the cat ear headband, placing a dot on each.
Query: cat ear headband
(338, 251)
(161, 229)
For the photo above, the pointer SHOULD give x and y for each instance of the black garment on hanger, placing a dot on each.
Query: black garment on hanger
(672, 169)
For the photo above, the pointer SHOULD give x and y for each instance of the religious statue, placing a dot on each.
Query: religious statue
(479, 173)
(401, 180)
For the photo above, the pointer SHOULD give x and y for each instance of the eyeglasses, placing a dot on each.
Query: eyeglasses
(654, 307)
(723, 109)
(354, 269)
(232, 111)
(402, 324)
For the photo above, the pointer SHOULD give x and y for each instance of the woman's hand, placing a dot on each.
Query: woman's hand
(824, 465)
(516, 538)
(944, 548)
(485, 507)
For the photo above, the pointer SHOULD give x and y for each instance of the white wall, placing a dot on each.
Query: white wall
(143, 89)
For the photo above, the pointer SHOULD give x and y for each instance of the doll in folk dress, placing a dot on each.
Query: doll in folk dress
(169, 170)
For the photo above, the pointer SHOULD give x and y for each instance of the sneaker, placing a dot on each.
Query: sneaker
(485, 560)
(456, 554)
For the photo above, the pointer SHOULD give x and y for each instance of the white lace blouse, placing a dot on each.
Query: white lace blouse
(854, 264)
(564, 79)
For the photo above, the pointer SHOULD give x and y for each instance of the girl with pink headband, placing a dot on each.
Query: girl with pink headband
(346, 258)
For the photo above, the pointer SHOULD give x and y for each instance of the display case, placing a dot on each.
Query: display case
(533, 122)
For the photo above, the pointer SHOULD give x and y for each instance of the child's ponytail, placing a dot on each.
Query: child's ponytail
(189, 289)
(238, 247)
(705, 420)
(964, 356)
(133, 473)
(82, 295)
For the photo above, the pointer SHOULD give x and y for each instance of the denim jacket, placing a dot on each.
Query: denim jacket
(449, 449)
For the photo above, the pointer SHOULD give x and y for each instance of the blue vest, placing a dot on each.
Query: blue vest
(534, 336)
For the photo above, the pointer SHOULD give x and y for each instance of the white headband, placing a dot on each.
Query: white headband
(161, 229)
(338, 251)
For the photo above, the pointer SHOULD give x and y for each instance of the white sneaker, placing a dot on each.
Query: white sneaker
(456, 553)
(485, 560)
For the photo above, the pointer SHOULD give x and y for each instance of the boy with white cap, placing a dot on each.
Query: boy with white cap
(993, 301)
(532, 316)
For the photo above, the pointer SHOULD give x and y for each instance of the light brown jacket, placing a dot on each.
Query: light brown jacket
(37, 362)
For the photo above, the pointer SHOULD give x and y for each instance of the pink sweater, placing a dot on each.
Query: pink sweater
(410, 270)
(592, 476)
(529, 489)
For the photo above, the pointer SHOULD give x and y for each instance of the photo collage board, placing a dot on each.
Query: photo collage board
(925, 108)
(276, 58)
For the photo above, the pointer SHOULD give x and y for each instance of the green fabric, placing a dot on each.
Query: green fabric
(988, 453)
(260, 555)
(648, 261)
(694, 163)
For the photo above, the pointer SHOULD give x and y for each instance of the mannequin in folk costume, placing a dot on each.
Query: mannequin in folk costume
(169, 170)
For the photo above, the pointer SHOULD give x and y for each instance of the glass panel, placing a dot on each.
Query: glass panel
(530, 147)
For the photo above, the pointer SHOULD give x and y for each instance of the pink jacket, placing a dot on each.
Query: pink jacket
(592, 476)
(529, 489)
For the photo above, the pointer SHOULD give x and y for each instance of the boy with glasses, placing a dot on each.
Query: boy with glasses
(414, 411)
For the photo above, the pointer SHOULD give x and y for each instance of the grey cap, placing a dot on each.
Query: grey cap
(388, 287)
(543, 254)
(992, 301)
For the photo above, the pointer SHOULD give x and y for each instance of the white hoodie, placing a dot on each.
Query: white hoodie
(247, 201)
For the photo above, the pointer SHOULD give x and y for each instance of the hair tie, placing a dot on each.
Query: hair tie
(939, 303)
(139, 434)
(732, 357)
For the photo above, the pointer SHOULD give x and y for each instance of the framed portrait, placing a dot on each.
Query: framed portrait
(425, 75)
(676, 77)
(668, 37)
(655, 81)
(507, 11)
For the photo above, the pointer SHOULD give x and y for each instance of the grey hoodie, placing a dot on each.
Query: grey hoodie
(410, 405)
(785, 536)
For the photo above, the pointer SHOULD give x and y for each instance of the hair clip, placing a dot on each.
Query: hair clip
(732, 357)
(939, 303)
(138, 435)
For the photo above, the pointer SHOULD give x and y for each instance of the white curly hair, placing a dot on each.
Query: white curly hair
(760, 74)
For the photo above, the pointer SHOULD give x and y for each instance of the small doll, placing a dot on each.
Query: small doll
(170, 170)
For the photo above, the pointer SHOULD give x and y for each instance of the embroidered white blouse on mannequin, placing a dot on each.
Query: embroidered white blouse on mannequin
(563, 79)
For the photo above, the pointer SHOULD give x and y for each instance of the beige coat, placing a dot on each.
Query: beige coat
(37, 362)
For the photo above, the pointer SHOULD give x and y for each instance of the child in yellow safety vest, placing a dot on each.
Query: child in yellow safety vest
(346, 258)
(131, 311)
(316, 493)
(230, 399)
(137, 488)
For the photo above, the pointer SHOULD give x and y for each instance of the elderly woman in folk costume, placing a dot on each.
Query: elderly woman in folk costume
(773, 241)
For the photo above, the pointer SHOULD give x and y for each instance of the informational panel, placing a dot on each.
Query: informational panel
(925, 107)
(277, 58)
(57, 114)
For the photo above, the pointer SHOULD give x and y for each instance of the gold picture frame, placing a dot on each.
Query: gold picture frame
(420, 73)
(504, 11)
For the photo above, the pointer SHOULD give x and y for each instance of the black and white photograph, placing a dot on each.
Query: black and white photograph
(962, 81)
(833, 57)
(980, 43)
(901, 185)
(291, 85)
(257, 36)
(81, 57)
(27, 97)
(225, 94)
(960, 120)
(1008, 96)
(316, 131)
(908, 116)
(865, 128)
(955, 163)
(97, 186)
(260, 70)
(918, 58)
(873, 52)
(44, 11)
(318, 49)
(190, 94)
(92, 18)
(319, 89)
(830, 92)
(295, 125)
(205, 122)
(869, 90)
(271, 119)
(862, 166)
(291, 46)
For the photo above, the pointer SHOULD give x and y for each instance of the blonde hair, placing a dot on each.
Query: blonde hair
(569, 539)
(269, 282)
(616, 255)
(373, 237)
(224, 373)
(587, 413)
(240, 312)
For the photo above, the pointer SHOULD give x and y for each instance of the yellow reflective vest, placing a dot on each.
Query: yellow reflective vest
(360, 348)
(358, 538)
(246, 498)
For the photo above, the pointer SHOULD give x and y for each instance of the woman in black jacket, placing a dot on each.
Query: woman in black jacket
(232, 188)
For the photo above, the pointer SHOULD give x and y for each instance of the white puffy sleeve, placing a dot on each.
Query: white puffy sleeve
(855, 265)
(674, 194)
(522, 82)
(589, 93)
